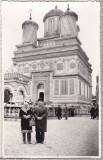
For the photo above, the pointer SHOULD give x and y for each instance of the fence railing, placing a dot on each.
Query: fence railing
(13, 112)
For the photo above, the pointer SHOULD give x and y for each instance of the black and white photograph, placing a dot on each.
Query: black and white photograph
(51, 79)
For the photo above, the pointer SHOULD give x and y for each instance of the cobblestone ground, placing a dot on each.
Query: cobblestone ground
(78, 136)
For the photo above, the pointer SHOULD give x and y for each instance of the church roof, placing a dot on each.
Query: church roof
(53, 12)
(68, 12)
(30, 22)
(13, 73)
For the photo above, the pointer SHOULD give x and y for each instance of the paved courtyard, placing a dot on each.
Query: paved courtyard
(78, 136)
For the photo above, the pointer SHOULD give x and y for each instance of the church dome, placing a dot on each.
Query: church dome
(68, 12)
(30, 22)
(53, 12)
(29, 31)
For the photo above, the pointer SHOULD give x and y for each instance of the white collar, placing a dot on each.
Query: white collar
(25, 110)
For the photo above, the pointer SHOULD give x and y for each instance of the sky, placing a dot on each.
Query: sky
(15, 13)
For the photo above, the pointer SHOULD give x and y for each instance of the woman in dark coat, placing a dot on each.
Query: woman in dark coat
(25, 115)
(40, 113)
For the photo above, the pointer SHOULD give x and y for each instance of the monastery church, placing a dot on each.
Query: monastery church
(54, 68)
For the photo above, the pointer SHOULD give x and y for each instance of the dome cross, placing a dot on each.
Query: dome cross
(56, 7)
(68, 7)
(30, 11)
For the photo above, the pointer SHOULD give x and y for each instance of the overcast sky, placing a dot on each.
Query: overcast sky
(15, 13)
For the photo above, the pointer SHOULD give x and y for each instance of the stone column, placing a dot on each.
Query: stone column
(90, 94)
(46, 96)
(18, 112)
(13, 112)
(14, 95)
(76, 86)
(51, 86)
(9, 111)
(4, 111)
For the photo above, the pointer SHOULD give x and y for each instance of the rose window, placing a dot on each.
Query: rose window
(42, 65)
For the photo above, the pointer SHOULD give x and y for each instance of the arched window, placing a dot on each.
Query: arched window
(51, 26)
(21, 95)
(7, 96)
(40, 86)
(40, 91)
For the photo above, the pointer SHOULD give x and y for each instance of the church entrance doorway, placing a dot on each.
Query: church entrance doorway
(40, 90)
(41, 96)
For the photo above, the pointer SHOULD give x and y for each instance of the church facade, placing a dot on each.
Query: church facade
(54, 68)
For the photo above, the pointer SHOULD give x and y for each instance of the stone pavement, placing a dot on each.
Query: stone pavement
(77, 136)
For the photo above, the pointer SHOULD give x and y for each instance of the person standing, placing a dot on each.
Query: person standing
(59, 112)
(40, 113)
(66, 112)
(25, 114)
(93, 112)
(72, 111)
(97, 112)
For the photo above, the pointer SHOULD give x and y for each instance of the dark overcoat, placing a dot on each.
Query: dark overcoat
(59, 111)
(40, 111)
(72, 111)
(93, 111)
(25, 122)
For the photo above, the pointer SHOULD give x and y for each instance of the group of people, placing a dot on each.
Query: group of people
(39, 114)
(94, 112)
(66, 112)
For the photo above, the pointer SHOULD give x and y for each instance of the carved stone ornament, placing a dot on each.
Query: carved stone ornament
(42, 65)
(26, 70)
(72, 65)
(34, 66)
(51, 64)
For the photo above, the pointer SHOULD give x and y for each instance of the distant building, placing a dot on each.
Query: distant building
(95, 98)
(54, 68)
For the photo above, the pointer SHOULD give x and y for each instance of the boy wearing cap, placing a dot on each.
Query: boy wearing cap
(40, 112)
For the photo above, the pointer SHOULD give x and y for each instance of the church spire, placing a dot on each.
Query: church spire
(68, 8)
(56, 7)
(30, 11)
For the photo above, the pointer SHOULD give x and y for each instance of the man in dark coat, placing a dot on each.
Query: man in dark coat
(93, 112)
(40, 114)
